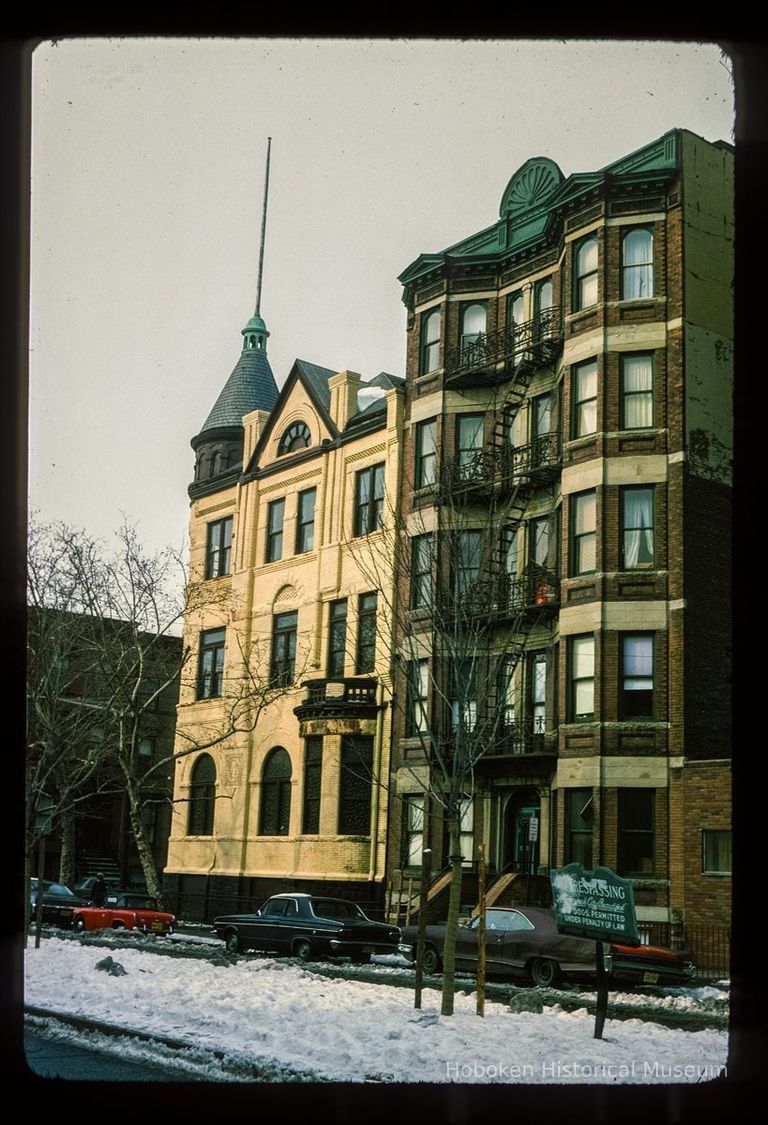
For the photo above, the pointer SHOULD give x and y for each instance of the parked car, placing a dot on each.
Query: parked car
(650, 964)
(59, 902)
(308, 926)
(85, 888)
(523, 941)
(124, 911)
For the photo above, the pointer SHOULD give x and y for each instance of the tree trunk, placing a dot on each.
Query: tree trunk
(452, 924)
(138, 828)
(68, 859)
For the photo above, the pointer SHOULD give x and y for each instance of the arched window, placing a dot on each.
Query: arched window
(295, 437)
(637, 264)
(215, 463)
(276, 794)
(473, 323)
(586, 273)
(202, 797)
(430, 342)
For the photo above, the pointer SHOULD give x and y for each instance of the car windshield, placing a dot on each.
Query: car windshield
(335, 908)
(58, 889)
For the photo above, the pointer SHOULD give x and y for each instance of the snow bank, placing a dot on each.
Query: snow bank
(282, 1014)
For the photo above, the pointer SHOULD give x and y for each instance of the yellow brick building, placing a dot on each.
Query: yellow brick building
(292, 508)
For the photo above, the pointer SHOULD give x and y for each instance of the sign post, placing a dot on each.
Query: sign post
(596, 904)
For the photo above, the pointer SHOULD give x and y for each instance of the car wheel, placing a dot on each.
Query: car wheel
(361, 958)
(232, 942)
(544, 973)
(79, 926)
(430, 961)
(118, 925)
(302, 950)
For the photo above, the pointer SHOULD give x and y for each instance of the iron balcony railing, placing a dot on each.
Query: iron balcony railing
(534, 342)
(338, 696)
(503, 465)
(497, 736)
(504, 595)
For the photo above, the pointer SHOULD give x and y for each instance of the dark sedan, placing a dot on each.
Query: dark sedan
(520, 941)
(59, 902)
(308, 926)
(524, 942)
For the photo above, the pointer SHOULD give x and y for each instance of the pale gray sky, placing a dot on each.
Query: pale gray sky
(147, 177)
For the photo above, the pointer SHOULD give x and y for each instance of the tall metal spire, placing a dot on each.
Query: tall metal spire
(263, 230)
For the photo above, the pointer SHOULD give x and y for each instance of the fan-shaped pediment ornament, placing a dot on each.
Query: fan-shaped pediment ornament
(531, 185)
(287, 593)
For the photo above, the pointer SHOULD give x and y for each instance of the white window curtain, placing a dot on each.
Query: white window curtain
(637, 259)
(638, 391)
(415, 829)
(638, 663)
(638, 525)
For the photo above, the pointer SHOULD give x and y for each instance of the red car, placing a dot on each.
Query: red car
(124, 911)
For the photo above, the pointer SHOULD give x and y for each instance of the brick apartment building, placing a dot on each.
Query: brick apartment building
(566, 491)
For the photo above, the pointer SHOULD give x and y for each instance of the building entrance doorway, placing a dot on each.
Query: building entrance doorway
(521, 824)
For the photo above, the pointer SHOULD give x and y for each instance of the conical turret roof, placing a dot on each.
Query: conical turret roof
(251, 386)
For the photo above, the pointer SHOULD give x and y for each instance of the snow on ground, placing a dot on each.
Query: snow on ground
(282, 1014)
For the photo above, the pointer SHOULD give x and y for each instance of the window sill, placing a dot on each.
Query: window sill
(717, 874)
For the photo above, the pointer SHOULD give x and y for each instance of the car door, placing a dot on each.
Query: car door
(466, 946)
(514, 947)
(265, 932)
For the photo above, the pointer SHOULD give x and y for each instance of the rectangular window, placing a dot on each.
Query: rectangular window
(467, 829)
(429, 342)
(638, 518)
(426, 453)
(275, 516)
(211, 664)
(418, 694)
(586, 266)
(468, 552)
(637, 675)
(636, 831)
(313, 773)
(584, 533)
(578, 826)
(541, 416)
(421, 571)
(337, 637)
(355, 784)
(636, 392)
(538, 687)
(637, 263)
(538, 540)
(463, 698)
(585, 398)
(582, 678)
(283, 662)
(305, 521)
(413, 830)
(506, 694)
(469, 444)
(218, 554)
(369, 500)
(367, 608)
(716, 851)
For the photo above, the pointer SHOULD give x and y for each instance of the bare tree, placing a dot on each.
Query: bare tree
(462, 609)
(129, 606)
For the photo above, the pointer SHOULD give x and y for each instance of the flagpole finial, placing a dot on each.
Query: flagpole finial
(263, 230)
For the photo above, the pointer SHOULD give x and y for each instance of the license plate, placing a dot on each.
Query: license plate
(650, 978)
(157, 925)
